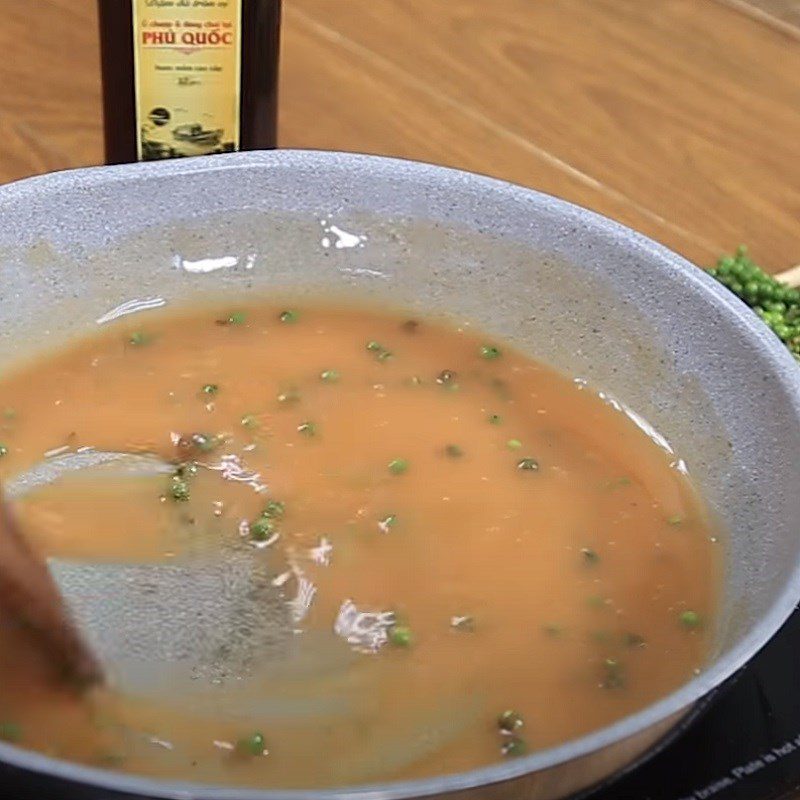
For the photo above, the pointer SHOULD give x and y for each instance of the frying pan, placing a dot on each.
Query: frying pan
(579, 291)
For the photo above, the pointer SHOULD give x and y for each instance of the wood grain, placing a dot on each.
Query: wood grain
(686, 108)
(50, 78)
(401, 118)
(779, 12)
(680, 118)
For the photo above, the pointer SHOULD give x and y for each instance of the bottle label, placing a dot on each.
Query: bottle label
(187, 56)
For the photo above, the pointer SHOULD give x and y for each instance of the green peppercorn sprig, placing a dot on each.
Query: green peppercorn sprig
(777, 304)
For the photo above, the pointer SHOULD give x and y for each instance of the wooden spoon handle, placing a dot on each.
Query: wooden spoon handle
(29, 595)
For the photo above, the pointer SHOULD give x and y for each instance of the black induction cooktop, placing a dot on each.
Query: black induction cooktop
(743, 744)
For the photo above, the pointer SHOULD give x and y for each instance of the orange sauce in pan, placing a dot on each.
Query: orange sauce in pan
(525, 546)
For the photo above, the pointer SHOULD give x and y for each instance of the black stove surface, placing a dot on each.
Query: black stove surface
(745, 745)
(742, 745)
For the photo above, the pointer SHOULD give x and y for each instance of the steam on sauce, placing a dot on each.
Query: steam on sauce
(524, 563)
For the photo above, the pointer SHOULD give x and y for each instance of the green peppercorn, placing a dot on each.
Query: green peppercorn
(289, 316)
(329, 376)
(775, 303)
(398, 466)
(494, 419)
(690, 619)
(205, 442)
(387, 522)
(187, 470)
(490, 352)
(590, 556)
(510, 721)
(453, 451)
(3, 450)
(275, 509)
(307, 429)
(514, 746)
(179, 489)
(528, 464)
(381, 352)
(262, 529)
(210, 389)
(252, 745)
(400, 636)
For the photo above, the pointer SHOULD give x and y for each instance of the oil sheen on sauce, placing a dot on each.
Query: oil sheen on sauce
(524, 546)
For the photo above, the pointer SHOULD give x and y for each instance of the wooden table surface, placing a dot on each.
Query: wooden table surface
(680, 118)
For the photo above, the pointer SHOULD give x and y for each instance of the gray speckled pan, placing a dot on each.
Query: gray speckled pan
(575, 289)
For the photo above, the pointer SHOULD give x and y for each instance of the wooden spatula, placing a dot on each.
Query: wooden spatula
(206, 615)
(28, 595)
